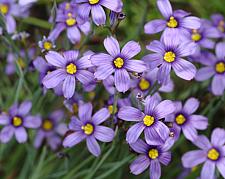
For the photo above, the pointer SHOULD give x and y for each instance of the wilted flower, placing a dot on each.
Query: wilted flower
(69, 68)
(211, 154)
(150, 157)
(94, 7)
(88, 127)
(51, 130)
(156, 132)
(215, 66)
(184, 119)
(169, 54)
(119, 63)
(16, 121)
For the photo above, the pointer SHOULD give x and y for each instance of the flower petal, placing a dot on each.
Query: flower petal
(84, 76)
(104, 71)
(153, 60)
(139, 146)
(221, 167)
(134, 132)
(129, 113)
(122, 80)
(73, 139)
(140, 164)
(131, 49)
(100, 116)
(4, 119)
(191, 22)
(69, 86)
(21, 134)
(191, 105)
(138, 66)
(163, 75)
(218, 137)
(73, 34)
(208, 170)
(55, 59)
(155, 26)
(220, 52)
(165, 8)
(217, 85)
(32, 122)
(199, 122)
(204, 73)
(98, 15)
(184, 69)
(165, 158)
(93, 146)
(156, 46)
(85, 111)
(164, 108)
(155, 169)
(6, 134)
(24, 108)
(186, 49)
(190, 132)
(203, 142)
(150, 103)
(112, 46)
(54, 78)
(104, 134)
(101, 59)
(115, 6)
(193, 158)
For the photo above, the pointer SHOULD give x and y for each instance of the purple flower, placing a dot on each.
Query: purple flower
(169, 54)
(88, 127)
(94, 7)
(143, 84)
(176, 23)
(51, 130)
(46, 44)
(184, 119)
(219, 23)
(211, 154)
(73, 103)
(117, 62)
(215, 66)
(156, 132)
(16, 121)
(68, 19)
(150, 156)
(69, 68)
(12, 59)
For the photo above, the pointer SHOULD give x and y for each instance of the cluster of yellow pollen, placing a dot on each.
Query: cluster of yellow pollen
(213, 154)
(47, 125)
(169, 56)
(180, 119)
(110, 108)
(47, 45)
(88, 129)
(17, 121)
(196, 36)
(70, 21)
(153, 153)
(220, 67)
(221, 26)
(144, 84)
(148, 120)
(71, 68)
(172, 23)
(92, 2)
(118, 62)
(4, 9)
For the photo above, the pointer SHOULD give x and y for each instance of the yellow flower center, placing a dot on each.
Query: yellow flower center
(169, 56)
(220, 67)
(144, 84)
(196, 36)
(47, 45)
(88, 129)
(67, 7)
(118, 62)
(213, 154)
(47, 125)
(92, 2)
(180, 119)
(75, 108)
(153, 153)
(148, 120)
(172, 23)
(21, 62)
(4, 9)
(70, 21)
(17, 121)
(71, 68)
(221, 26)
(110, 108)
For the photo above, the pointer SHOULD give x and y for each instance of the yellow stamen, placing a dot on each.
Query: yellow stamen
(196, 36)
(148, 120)
(47, 125)
(153, 153)
(213, 154)
(172, 23)
(110, 108)
(70, 21)
(17, 121)
(88, 129)
(71, 68)
(144, 84)
(92, 2)
(169, 56)
(220, 67)
(4, 9)
(47, 45)
(180, 119)
(118, 62)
